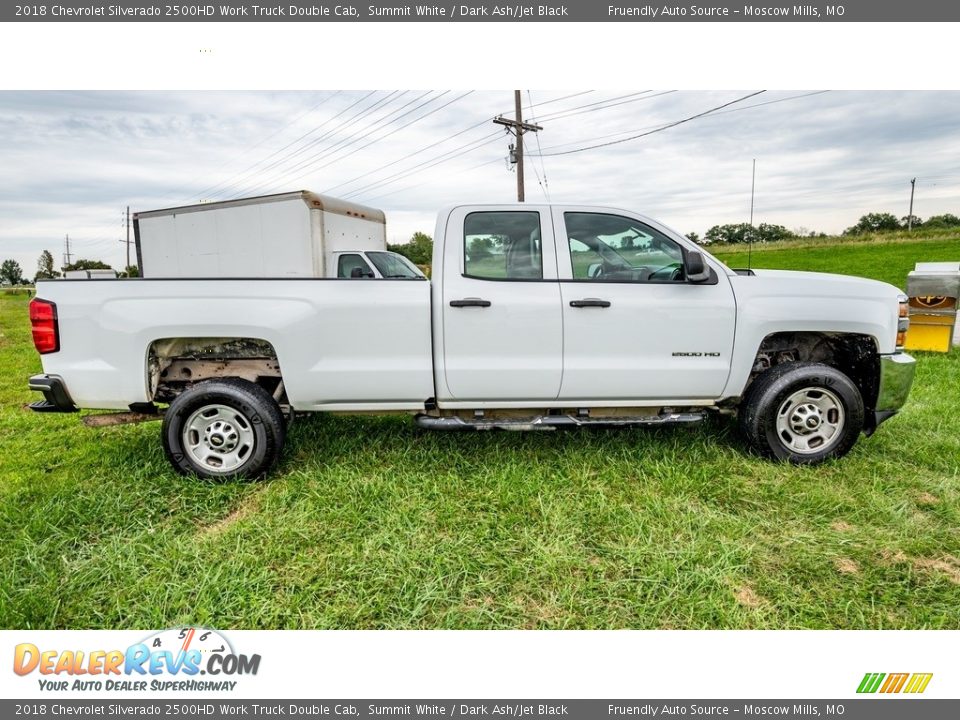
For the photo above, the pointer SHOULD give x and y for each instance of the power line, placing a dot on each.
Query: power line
(305, 145)
(391, 132)
(543, 183)
(428, 164)
(658, 129)
(273, 134)
(354, 137)
(440, 142)
(330, 136)
(647, 127)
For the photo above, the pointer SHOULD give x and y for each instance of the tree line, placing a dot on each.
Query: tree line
(419, 249)
(12, 274)
(875, 222)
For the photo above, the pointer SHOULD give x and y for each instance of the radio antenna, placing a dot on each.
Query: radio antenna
(753, 185)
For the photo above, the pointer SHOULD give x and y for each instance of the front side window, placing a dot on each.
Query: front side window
(612, 248)
(392, 265)
(503, 245)
(352, 265)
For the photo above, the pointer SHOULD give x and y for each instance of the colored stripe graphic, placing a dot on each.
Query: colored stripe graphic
(894, 683)
(870, 682)
(918, 682)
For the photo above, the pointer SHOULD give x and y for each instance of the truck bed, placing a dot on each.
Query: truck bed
(341, 344)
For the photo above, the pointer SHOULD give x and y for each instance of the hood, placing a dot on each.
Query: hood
(824, 284)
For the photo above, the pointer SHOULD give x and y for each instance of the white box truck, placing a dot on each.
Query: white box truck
(294, 234)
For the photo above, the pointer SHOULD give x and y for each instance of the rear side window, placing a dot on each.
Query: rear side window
(503, 245)
(353, 266)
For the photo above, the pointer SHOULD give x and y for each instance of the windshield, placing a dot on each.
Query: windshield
(392, 265)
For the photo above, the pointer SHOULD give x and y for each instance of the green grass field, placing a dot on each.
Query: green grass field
(371, 523)
(888, 257)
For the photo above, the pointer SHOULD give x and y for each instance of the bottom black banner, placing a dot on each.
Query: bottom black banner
(878, 708)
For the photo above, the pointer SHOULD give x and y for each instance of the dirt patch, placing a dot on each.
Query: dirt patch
(247, 506)
(847, 566)
(949, 566)
(747, 597)
(841, 526)
(926, 498)
(891, 557)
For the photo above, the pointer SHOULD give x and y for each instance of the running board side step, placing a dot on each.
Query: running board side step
(552, 422)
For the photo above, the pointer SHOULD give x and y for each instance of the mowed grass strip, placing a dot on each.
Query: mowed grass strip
(372, 523)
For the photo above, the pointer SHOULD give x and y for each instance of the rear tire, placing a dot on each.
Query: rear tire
(223, 430)
(803, 413)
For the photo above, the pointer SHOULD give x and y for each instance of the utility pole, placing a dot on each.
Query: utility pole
(67, 256)
(518, 127)
(127, 241)
(913, 185)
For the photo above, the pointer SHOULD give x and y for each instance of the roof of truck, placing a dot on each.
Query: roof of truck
(313, 200)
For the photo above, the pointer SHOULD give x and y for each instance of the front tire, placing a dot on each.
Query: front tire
(803, 413)
(223, 430)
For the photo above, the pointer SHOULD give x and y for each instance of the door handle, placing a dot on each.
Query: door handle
(470, 302)
(590, 302)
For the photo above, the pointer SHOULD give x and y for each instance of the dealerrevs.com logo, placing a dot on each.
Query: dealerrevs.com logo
(169, 660)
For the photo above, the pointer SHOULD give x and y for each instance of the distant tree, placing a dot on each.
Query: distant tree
(87, 265)
(131, 271)
(45, 269)
(730, 233)
(10, 272)
(768, 232)
(693, 237)
(874, 222)
(942, 221)
(746, 233)
(418, 250)
(905, 221)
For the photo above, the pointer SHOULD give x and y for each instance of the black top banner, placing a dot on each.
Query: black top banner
(481, 11)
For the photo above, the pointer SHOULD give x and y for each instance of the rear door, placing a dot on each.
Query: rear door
(634, 328)
(502, 318)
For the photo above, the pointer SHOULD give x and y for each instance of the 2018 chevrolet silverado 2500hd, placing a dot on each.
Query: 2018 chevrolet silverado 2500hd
(537, 316)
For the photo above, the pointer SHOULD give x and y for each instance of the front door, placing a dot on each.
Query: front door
(634, 328)
(502, 319)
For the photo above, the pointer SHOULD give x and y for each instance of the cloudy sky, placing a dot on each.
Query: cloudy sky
(72, 161)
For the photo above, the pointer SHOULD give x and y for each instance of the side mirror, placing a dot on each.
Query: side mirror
(694, 268)
(594, 270)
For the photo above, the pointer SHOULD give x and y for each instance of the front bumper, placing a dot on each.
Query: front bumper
(55, 395)
(896, 379)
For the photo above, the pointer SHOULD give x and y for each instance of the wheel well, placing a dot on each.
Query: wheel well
(856, 356)
(175, 364)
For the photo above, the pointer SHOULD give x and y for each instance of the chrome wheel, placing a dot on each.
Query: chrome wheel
(810, 421)
(219, 438)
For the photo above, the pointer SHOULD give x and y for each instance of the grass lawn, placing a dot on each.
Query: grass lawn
(888, 257)
(371, 523)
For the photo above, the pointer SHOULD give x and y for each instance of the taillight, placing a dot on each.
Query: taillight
(43, 321)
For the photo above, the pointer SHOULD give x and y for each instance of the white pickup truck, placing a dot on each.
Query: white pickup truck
(537, 317)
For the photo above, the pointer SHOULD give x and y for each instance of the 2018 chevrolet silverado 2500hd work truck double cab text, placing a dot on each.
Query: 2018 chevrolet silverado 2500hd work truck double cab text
(537, 316)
